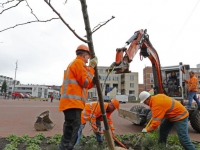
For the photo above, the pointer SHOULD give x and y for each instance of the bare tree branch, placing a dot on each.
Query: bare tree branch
(100, 25)
(28, 23)
(31, 10)
(48, 3)
(2, 4)
(65, 2)
(11, 6)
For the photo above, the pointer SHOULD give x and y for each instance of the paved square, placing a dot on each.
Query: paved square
(18, 117)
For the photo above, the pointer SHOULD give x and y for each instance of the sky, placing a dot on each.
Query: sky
(44, 50)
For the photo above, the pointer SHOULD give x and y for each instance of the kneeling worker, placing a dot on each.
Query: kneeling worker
(92, 113)
(167, 112)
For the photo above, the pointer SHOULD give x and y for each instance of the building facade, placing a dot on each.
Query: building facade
(40, 91)
(9, 81)
(125, 84)
(148, 81)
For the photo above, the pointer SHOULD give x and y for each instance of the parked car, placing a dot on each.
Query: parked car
(122, 98)
(30, 96)
(94, 98)
(17, 95)
(26, 95)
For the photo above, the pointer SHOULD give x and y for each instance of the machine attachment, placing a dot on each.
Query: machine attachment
(43, 122)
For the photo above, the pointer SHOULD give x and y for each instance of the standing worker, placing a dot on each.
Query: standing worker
(167, 112)
(92, 113)
(51, 98)
(78, 78)
(192, 89)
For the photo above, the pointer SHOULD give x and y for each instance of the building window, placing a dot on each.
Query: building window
(151, 81)
(115, 78)
(199, 82)
(198, 77)
(108, 78)
(102, 78)
(100, 70)
(151, 75)
(113, 72)
(131, 77)
(132, 85)
(152, 86)
(131, 92)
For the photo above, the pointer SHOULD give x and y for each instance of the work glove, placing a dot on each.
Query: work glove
(144, 130)
(94, 79)
(93, 62)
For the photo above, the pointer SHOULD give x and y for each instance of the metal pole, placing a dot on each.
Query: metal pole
(15, 76)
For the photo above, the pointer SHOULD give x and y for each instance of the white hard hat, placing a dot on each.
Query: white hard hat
(143, 96)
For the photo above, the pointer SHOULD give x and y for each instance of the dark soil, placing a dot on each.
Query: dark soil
(44, 145)
(90, 143)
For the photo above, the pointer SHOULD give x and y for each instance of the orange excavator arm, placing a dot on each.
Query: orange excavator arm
(139, 42)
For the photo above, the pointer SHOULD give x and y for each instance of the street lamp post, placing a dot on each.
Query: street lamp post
(15, 77)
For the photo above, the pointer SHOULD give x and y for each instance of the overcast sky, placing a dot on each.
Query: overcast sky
(44, 50)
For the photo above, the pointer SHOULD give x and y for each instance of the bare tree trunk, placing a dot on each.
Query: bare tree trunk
(91, 48)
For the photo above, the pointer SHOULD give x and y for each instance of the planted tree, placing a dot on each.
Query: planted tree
(4, 87)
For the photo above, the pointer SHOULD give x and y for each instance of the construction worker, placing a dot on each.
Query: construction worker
(192, 89)
(78, 78)
(92, 113)
(167, 112)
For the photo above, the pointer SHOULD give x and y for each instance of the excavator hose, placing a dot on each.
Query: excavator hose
(122, 145)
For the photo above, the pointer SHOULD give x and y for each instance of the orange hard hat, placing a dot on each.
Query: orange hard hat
(83, 47)
(115, 102)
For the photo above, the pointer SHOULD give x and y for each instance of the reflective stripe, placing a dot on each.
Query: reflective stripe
(150, 128)
(93, 116)
(73, 97)
(172, 107)
(85, 83)
(109, 119)
(90, 75)
(193, 82)
(111, 125)
(179, 116)
(67, 76)
(84, 93)
(157, 119)
(65, 84)
(85, 116)
(70, 81)
(91, 105)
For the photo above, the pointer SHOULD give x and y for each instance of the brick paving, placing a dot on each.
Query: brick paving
(18, 117)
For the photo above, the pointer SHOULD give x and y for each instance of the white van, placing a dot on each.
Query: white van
(122, 98)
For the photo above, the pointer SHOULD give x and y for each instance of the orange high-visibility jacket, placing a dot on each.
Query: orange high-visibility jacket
(162, 107)
(77, 80)
(192, 84)
(92, 111)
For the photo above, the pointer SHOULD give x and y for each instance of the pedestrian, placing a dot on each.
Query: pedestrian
(78, 78)
(168, 113)
(51, 98)
(92, 113)
(192, 86)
